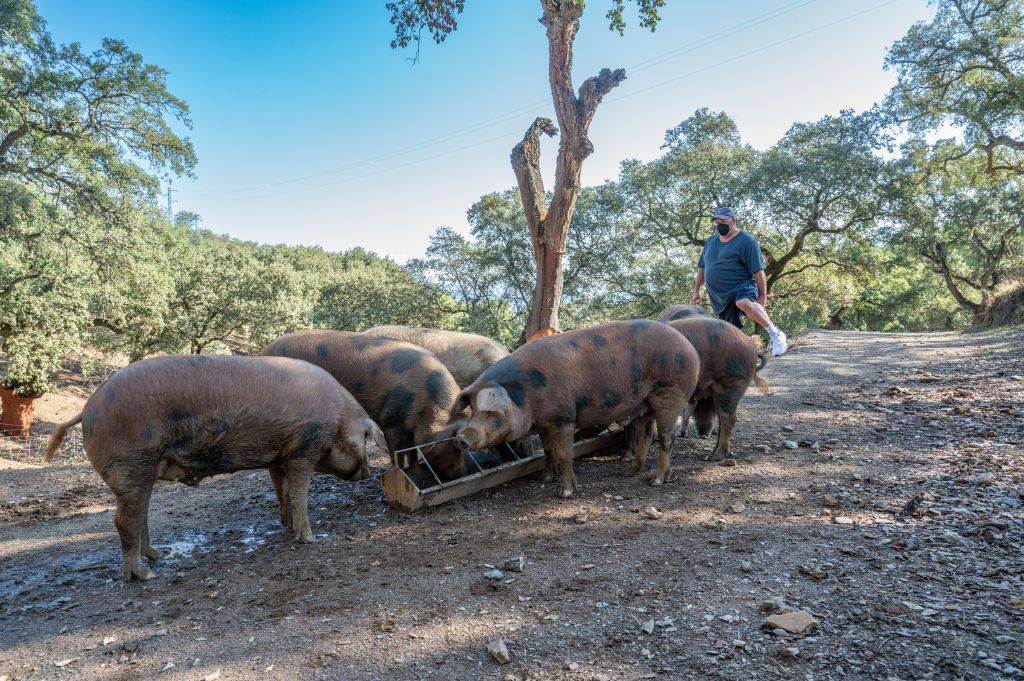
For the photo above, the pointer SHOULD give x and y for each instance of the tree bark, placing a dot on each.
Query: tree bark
(549, 225)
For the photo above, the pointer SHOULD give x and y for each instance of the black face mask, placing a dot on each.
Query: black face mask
(723, 228)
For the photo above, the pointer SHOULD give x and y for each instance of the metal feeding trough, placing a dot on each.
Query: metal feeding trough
(418, 486)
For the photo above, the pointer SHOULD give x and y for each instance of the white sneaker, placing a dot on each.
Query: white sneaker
(779, 344)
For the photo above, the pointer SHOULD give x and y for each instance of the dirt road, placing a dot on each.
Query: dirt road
(878, 489)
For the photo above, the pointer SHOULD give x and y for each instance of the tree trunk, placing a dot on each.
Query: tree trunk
(549, 225)
(938, 256)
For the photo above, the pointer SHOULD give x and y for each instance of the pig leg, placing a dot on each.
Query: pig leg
(277, 478)
(400, 438)
(296, 496)
(666, 438)
(727, 405)
(684, 425)
(558, 446)
(550, 465)
(667, 406)
(147, 549)
(130, 519)
(639, 443)
(636, 438)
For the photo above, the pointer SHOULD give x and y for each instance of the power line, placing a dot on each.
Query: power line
(750, 52)
(609, 101)
(526, 108)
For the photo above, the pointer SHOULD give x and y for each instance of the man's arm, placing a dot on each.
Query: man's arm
(762, 288)
(700, 282)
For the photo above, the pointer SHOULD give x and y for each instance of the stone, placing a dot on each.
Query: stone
(796, 622)
(738, 507)
(648, 627)
(651, 512)
(494, 574)
(790, 444)
(514, 564)
(499, 651)
(788, 429)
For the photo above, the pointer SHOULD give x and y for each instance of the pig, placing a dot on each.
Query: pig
(185, 418)
(465, 354)
(729, 363)
(404, 388)
(578, 379)
(674, 312)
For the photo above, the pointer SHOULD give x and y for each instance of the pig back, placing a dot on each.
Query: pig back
(726, 353)
(596, 375)
(466, 355)
(396, 382)
(674, 312)
(179, 402)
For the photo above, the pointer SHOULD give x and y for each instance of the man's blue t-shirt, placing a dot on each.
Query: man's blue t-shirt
(729, 267)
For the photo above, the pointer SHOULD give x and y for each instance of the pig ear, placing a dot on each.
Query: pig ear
(461, 402)
(493, 399)
(373, 431)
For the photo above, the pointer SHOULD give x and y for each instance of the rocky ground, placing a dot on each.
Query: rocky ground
(873, 509)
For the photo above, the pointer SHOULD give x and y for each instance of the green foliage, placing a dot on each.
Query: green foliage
(369, 291)
(815, 194)
(965, 223)
(80, 136)
(439, 18)
(966, 67)
(648, 10)
(33, 358)
(74, 124)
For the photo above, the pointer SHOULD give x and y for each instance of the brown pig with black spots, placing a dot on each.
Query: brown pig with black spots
(185, 418)
(580, 379)
(403, 387)
(466, 355)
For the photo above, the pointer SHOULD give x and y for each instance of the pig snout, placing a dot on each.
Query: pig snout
(468, 438)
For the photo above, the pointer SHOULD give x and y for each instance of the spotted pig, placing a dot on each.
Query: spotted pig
(674, 312)
(184, 418)
(580, 379)
(465, 354)
(729, 363)
(403, 387)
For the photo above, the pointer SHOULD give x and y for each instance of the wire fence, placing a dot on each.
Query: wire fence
(32, 449)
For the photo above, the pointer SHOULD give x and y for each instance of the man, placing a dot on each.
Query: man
(732, 268)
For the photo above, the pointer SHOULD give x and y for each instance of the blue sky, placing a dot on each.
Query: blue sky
(310, 129)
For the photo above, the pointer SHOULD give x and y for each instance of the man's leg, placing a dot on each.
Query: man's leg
(756, 312)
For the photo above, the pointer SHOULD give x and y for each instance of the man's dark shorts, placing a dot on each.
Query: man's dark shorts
(733, 314)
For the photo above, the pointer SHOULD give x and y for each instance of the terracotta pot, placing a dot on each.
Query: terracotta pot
(16, 413)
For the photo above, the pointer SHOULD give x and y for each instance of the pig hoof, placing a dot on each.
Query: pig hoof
(139, 571)
(547, 477)
(631, 471)
(628, 458)
(307, 537)
(152, 553)
(657, 482)
(566, 493)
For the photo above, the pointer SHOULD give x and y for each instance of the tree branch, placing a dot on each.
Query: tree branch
(526, 166)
